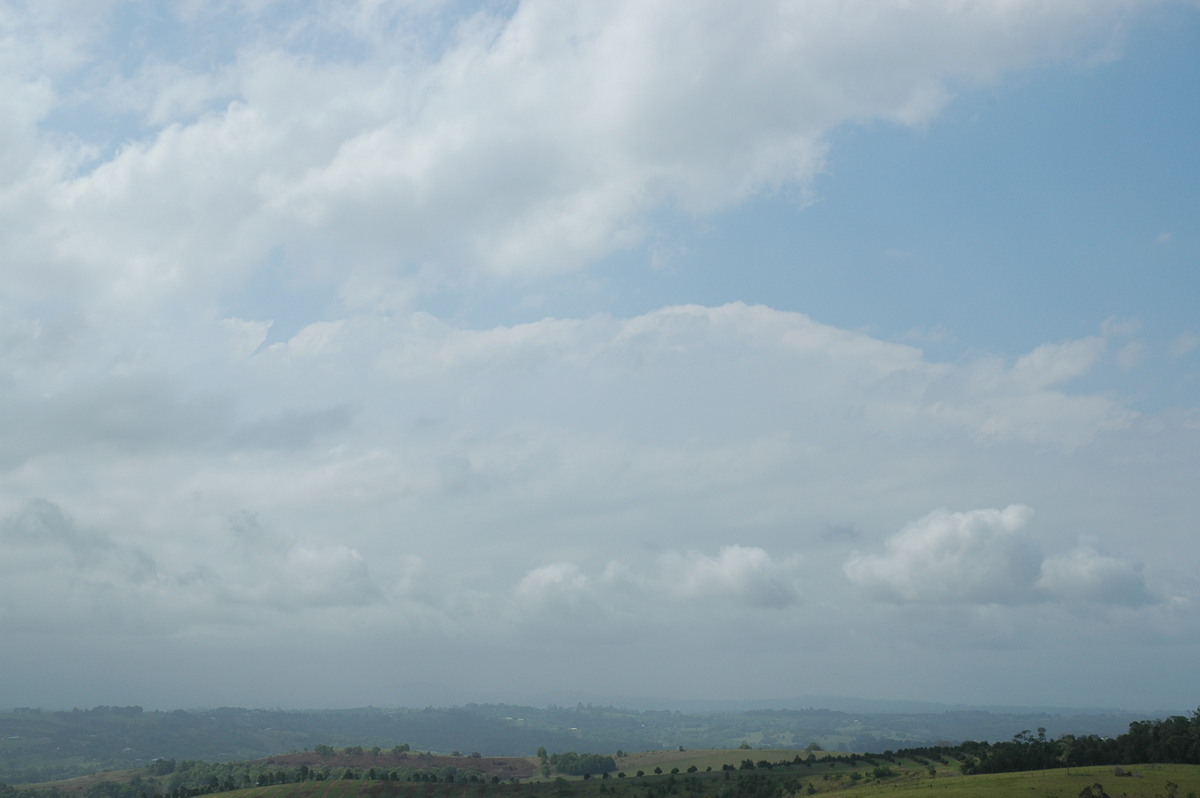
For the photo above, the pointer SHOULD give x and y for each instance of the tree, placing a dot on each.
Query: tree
(1066, 745)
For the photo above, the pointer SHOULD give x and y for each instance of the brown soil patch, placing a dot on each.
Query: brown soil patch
(506, 767)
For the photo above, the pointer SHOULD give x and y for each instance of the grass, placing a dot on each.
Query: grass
(910, 780)
(1149, 781)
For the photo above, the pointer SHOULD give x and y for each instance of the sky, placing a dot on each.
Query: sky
(379, 353)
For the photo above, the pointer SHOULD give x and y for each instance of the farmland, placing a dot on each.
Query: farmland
(1159, 758)
(724, 773)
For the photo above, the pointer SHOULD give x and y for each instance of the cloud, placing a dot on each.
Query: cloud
(1086, 575)
(987, 557)
(41, 530)
(737, 573)
(236, 357)
(64, 578)
(553, 584)
(1051, 364)
(1024, 401)
(69, 578)
(519, 145)
(979, 556)
(368, 439)
(1184, 344)
(736, 578)
(135, 414)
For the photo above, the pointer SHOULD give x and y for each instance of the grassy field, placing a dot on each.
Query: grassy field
(1151, 781)
(840, 777)
(1147, 782)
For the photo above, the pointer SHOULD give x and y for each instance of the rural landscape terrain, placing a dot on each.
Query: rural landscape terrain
(507, 750)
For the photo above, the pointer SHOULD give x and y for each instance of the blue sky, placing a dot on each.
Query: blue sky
(639, 348)
(1065, 196)
(1046, 193)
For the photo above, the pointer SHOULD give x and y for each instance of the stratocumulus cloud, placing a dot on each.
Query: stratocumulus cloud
(496, 344)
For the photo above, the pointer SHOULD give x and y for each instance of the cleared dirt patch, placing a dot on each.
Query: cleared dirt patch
(506, 767)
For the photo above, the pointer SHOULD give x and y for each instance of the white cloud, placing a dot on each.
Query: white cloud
(1131, 354)
(1085, 575)
(979, 556)
(1185, 343)
(1020, 402)
(523, 145)
(737, 573)
(988, 557)
(553, 585)
(1051, 364)
(671, 585)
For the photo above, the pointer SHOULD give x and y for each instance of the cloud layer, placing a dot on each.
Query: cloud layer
(246, 413)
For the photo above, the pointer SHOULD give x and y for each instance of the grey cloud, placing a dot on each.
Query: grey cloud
(147, 414)
(43, 523)
(261, 568)
(42, 529)
(119, 414)
(840, 533)
(292, 430)
(69, 577)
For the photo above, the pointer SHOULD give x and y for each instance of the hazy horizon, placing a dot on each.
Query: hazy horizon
(356, 350)
(449, 699)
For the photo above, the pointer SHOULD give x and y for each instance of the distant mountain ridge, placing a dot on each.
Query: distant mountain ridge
(450, 697)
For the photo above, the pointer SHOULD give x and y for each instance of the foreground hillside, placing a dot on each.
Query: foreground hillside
(779, 781)
(1055, 768)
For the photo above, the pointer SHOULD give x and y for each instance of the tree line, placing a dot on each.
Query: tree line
(1173, 740)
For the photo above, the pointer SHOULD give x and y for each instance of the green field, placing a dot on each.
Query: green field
(1147, 782)
(1152, 781)
(836, 778)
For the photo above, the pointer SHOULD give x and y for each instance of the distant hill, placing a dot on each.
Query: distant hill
(37, 746)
